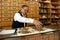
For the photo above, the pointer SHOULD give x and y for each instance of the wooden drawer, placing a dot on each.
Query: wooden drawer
(6, 23)
(0, 11)
(0, 19)
(32, 15)
(0, 6)
(12, 11)
(0, 15)
(14, 4)
(0, 23)
(5, 15)
(5, 19)
(6, 4)
(5, 9)
(7, 27)
(12, 19)
(13, 8)
(8, 1)
(12, 14)
(0, 2)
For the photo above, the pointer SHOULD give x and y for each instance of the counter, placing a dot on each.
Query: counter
(32, 36)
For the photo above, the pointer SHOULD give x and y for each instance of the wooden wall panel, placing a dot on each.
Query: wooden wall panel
(10, 7)
(0, 8)
(4, 24)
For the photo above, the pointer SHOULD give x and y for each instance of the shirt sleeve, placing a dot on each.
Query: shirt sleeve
(19, 18)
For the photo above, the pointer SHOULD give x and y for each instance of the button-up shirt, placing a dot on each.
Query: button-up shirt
(19, 18)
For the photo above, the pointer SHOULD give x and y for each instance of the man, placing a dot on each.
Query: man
(20, 19)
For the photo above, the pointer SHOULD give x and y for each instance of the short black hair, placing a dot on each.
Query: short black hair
(24, 6)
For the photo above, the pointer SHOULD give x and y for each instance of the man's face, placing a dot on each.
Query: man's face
(25, 10)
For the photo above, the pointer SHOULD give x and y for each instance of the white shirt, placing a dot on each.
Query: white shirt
(19, 18)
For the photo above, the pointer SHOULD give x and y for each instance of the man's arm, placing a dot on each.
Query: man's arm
(19, 18)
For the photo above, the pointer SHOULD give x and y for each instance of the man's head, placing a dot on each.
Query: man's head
(24, 9)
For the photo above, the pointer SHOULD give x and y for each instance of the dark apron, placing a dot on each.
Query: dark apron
(17, 24)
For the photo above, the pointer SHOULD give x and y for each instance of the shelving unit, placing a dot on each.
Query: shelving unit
(44, 13)
(55, 12)
(50, 13)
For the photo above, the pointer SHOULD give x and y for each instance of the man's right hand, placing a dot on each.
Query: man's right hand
(38, 24)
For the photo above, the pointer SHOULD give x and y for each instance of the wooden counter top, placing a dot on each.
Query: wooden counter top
(46, 36)
(28, 36)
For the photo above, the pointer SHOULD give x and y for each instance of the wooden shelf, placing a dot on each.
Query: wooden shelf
(44, 7)
(44, 18)
(55, 8)
(55, 18)
(45, 2)
(55, 3)
(55, 0)
(44, 13)
(53, 12)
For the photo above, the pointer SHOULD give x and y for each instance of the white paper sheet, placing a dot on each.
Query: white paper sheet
(4, 32)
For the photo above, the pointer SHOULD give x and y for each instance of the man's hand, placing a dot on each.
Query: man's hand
(38, 24)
